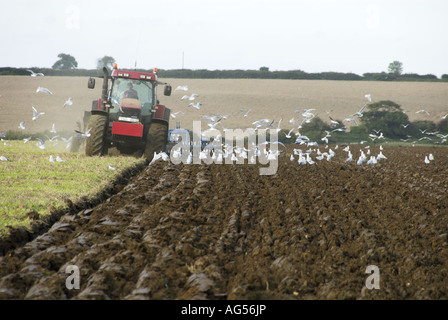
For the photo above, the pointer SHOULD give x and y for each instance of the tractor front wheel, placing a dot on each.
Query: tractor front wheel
(156, 139)
(95, 143)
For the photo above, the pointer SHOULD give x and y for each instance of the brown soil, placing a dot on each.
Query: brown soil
(226, 232)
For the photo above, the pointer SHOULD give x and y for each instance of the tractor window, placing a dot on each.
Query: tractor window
(130, 88)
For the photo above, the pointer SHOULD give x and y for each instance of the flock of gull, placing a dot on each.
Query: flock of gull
(303, 157)
(36, 115)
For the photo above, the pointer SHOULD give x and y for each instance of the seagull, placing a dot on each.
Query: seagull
(182, 88)
(69, 102)
(423, 111)
(22, 125)
(45, 90)
(335, 122)
(59, 159)
(350, 119)
(40, 144)
(368, 97)
(51, 158)
(359, 113)
(53, 129)
(3, 158)
(191, 98)
(444, 117)
(25, 140)
(37, 114)
(197, 105)
(34, 74)
(173, 115)
(288, 135)
(431, 157)
(405, 126)
(83, 135)
(426, 159)
(245, 113)
(111, 167)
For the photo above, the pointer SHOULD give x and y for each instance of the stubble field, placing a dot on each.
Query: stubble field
(226, 232)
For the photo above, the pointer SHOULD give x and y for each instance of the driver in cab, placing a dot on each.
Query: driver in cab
(130, 93)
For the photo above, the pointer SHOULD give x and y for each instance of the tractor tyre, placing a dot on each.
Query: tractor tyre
(95, 143)
(156, 139)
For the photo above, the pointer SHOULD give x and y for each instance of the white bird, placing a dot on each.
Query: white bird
(3, 158)
(359, 113)
(182, 88)
(69, 102)
(40, 143)
(83, 135)
(430, 157)
(334, 122)
(112, 168)
(288, 135)
(350, 119)
(34, 74)
(426, 159)
(25, 140)
(37, 114)
(197, 105)
(22, 125)
(174, 114)
(45, 90)
(191, 98)
(53, 128)
(368, 97)
(59, 159)
(51, 158)
(245, 113)
(423, 111)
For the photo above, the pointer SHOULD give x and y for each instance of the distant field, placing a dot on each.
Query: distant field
(274, 99)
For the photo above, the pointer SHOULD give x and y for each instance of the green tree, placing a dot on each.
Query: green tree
(385, 116)
(65, 62)
(395, 67)
(106, 61)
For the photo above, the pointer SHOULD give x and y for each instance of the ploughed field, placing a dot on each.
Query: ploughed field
(226, 232)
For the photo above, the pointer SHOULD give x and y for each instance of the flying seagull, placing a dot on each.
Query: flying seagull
(173, 115)
(197, 105)
(69, 102)
(45, 90)
(37, 114)
(183, 88)
(22, 125)
(34, 74)
(245, 113)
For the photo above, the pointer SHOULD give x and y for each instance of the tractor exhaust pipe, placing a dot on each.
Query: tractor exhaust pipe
(105, 84)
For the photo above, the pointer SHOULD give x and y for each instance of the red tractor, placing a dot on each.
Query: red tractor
(128, 116)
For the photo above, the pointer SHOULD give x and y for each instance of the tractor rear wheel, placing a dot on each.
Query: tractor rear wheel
(156, 139)
(95, 143)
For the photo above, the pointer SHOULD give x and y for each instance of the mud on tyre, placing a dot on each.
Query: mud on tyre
(95, 143)
(156, 139)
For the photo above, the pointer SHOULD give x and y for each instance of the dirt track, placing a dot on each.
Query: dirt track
(225, 232)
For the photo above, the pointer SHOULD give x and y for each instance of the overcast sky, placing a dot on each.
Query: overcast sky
(356, 36)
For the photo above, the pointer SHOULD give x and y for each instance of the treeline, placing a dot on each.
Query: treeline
(262, 73)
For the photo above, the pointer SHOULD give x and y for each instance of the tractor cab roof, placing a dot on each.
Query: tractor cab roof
(134, 75)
